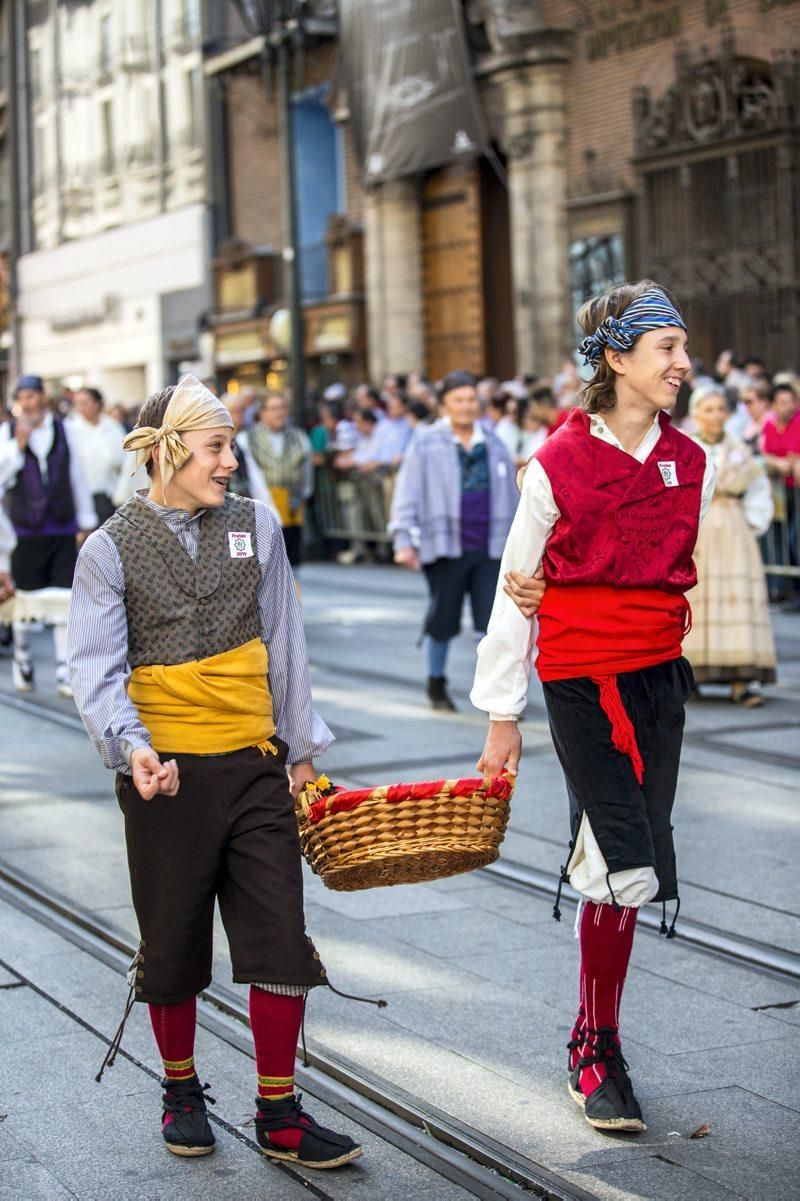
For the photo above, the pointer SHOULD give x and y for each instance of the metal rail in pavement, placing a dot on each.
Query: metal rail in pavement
(764, 956)
(463, 1155)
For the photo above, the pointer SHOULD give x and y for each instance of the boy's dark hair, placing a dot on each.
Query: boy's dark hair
(152, 414)
(367, 415)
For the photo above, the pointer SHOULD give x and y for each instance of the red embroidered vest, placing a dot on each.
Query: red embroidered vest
(623, 523)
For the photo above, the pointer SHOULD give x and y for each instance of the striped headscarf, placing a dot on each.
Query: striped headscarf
(652, 310)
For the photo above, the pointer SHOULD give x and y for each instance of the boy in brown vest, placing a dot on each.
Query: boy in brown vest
(189, 666)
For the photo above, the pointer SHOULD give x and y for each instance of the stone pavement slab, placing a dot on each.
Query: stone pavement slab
(766, 1165)
(89, 1142)
(481, 982)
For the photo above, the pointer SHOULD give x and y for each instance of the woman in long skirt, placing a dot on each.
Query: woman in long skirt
(730, 641)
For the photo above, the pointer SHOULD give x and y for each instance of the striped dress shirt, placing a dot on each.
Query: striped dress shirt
(98, 642)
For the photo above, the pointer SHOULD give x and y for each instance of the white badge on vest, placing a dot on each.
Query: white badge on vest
(669, 474)
(240, 545)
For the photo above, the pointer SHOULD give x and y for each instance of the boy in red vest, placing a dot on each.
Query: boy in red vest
(610, 509)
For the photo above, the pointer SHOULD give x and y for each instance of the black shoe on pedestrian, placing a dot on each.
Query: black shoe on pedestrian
(438, 694)
(185, 1124)
(316, 1147)
(612, 1105)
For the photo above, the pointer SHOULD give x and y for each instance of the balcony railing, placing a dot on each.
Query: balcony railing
(184, 139)
(141, 155)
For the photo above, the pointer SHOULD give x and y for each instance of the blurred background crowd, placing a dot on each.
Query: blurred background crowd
(333, 477)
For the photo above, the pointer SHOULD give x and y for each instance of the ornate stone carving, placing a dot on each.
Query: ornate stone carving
(714, 99)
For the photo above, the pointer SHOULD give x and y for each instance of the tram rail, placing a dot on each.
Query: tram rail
(456, 1151)
(767, 957)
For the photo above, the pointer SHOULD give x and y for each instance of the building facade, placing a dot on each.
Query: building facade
(249, 320)
(112, 269)
(679, 160)
(627, 139)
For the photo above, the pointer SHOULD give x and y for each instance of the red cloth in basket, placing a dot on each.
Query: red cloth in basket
(344, 800)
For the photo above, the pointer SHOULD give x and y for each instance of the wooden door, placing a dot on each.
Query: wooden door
(453, 271)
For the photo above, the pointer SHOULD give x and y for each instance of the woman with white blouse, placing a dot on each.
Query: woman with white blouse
(731, 640)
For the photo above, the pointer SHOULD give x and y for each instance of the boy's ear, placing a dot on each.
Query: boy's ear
(615, 360)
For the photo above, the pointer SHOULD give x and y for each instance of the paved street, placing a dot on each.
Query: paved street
(480, 981)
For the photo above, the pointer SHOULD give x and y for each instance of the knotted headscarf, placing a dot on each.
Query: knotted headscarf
(652, 310)
(191, 407)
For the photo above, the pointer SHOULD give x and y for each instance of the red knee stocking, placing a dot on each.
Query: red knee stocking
(606, 938)
(275, 1023)
(173, 1026)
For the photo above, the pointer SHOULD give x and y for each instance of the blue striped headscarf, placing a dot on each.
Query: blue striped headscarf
(652, 310)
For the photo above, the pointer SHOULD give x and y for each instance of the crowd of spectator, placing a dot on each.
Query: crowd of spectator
(338, 486)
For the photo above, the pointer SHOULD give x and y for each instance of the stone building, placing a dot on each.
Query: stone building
(248, 318)
(670, 150)
(112, 244)
(627, 138)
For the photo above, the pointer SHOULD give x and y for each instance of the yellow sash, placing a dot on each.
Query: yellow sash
(208, 707)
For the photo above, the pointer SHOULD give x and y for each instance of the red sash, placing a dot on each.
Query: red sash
(599, 631)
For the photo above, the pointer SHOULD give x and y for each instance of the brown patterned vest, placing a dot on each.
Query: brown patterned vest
(178, 610)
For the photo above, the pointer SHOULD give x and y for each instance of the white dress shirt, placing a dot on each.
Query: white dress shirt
(8, 541)
(99, 446)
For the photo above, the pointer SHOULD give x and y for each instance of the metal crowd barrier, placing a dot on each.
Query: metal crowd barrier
(353, 506)
(781, 543)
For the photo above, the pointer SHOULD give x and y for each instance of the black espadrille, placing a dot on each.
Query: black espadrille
(184, 1126)
(317, 1147)
(612, 1105)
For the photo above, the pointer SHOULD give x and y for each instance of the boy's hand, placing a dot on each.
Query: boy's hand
(502, 750)
(526, 591)
(151, 776)
(300, 774)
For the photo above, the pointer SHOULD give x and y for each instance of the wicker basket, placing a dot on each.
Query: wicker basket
(402, 834)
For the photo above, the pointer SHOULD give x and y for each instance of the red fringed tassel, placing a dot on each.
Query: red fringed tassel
(623, 735)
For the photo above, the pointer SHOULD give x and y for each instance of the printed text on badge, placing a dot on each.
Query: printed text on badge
(668, 474)
(241, 546)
